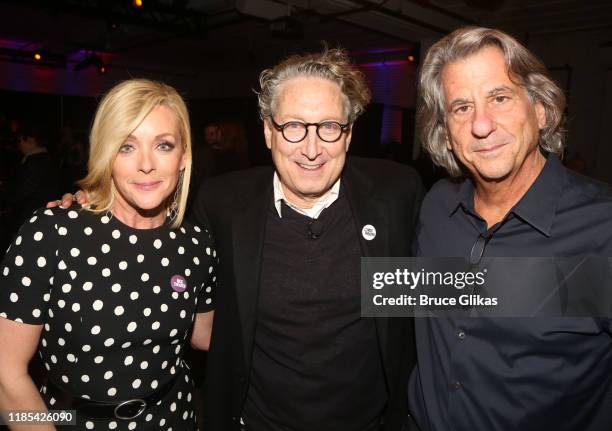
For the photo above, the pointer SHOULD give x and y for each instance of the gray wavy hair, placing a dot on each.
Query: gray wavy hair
(331, 64)
(525, 69)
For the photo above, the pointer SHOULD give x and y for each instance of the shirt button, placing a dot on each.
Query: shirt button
(456, 385)
(461, 335)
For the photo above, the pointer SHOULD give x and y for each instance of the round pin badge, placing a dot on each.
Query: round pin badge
(368, 232)
(178, 283)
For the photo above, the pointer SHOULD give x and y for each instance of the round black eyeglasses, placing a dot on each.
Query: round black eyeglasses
(296, 131)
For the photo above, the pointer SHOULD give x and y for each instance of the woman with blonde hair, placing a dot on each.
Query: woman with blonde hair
(109, 293)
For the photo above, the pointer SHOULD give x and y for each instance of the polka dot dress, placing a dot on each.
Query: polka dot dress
(117, 305)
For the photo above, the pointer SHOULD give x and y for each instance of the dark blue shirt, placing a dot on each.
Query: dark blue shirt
(516, 373)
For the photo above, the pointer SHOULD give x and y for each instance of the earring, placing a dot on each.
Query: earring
(173, 208)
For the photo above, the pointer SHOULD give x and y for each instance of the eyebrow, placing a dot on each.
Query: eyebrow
(491, 93)
(161, 135)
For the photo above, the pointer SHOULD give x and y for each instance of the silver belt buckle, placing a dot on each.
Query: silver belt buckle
(143, 406)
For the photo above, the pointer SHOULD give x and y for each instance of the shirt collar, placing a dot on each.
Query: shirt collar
(538, 205)
(316, 210)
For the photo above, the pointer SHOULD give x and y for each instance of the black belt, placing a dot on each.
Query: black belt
(124, 410)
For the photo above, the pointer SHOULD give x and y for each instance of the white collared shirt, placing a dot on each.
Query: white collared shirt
(316, 210)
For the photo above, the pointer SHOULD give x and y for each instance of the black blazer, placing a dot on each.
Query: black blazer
(381, 193)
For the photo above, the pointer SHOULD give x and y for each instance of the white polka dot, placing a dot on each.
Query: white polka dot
(140, 258)
(61, 303)
(183, 229)
(46, 297)
(136, 384)
(14, 297)
(156, 349)
(26, 281)
(116, 234)
(95, 330)
(62, 231)
(61, 341)
(181, 250)
(106, 272)
(70, 357)
(172, 235)
(132, 425)
(189, 397)
(86, 348)
(144, 276)
(194, 240)
(50, 312)
(155, 325)
(149, 417)
(87, 231)
(105, 248)
(6, 271)
(18, 260)
(74, 252)
(133, 239)
(89, 425)
(131, 327)
(73, 274)
(162, 422)
(76, 307)
(98, 359)
(165, 261)
(185, 415)
(183, 313)
(154, 384)
(108, 375)
(97, 305)
(65, 379)
(208, 289)
(38, 236)
(48, 212)
(68, 327)
(105, 219)
(156, 289)
(147, 342)
(146, 312)
(33, 219)
(87, 286)
(126, 345)
(91, 260)
(173, 332)
(111, 392)
(116, 287)
(36, 312)
(109, 342)
(72, 214)
(163, 308)
(134, 296)
(144, 365)
(128, 360)
(85, 378)
(208, 300)
(187, 272)
(175, 295)
(196, 260)
(118, 310)
(157, 243)
(62, 265)
(18, 240)
(66, 288)
(173, 407)
(123, 265)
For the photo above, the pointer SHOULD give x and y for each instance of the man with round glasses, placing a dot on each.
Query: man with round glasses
(289, 349)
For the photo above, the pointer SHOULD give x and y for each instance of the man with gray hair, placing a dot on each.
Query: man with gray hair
(289, 350)
(490, 114)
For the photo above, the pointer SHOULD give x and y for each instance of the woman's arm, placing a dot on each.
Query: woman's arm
(202, 329)
(18, 343)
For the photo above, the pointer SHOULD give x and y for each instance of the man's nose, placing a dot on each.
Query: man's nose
(312, 144)
(483, 122)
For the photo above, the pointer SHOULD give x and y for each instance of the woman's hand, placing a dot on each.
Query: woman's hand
(202, 329)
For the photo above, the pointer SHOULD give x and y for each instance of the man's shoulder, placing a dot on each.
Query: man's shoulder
(381, 167)
(445, 193)
(589, 188)
(386, 176)
(245, 179)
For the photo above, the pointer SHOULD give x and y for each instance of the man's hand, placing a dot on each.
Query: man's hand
(80, 197)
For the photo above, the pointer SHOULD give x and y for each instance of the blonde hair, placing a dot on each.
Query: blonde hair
(331, 64)
(524, 68)
(120, 112)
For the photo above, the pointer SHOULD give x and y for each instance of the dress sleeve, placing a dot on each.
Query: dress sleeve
(207, 293)
(28, 268)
